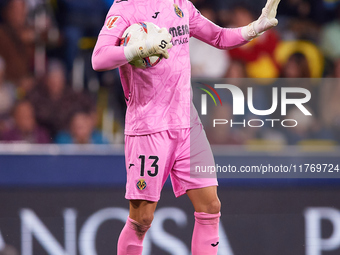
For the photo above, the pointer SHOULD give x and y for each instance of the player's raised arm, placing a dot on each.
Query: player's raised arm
(228, 38)
(266, 21)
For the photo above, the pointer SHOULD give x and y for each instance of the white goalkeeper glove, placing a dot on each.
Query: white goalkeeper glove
(157, 41)
(266, 21)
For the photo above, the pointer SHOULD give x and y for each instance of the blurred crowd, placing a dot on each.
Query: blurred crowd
(50, 94)
(40, 97)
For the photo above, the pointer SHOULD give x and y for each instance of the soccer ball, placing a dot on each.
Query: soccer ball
(135, 33)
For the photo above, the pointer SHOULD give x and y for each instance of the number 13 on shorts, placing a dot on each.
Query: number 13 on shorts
(145, 177)
(153, 165)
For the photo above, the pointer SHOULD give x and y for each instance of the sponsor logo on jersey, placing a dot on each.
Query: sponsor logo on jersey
(178, 11)
(141, 184)
(181, 32)
(111, 22)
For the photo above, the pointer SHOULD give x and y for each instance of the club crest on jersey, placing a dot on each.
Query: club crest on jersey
(141, 184)
(111, 22)
(178, 11)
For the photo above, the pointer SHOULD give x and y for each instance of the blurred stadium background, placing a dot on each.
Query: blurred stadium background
(62, 171)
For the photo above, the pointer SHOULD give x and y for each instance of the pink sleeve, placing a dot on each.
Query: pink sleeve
(106, 55)
(208, 32)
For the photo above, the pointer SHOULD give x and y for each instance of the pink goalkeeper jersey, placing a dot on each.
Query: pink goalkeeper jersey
(159, 98)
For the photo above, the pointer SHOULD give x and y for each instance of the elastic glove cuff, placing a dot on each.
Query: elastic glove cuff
(130, 53)
(249, 32)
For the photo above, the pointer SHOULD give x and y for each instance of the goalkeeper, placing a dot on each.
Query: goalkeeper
(163, 133)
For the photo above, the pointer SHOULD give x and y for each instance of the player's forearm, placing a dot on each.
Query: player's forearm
(222, 38)
(107, 56)
(231, 38)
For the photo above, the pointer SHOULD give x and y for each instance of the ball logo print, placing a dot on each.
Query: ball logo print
(134, 34)
(144, 26)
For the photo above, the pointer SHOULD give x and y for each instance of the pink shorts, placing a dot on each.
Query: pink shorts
(151, 158)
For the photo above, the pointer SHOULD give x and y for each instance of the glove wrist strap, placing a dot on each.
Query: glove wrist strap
(249, 32)
(130, 53)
